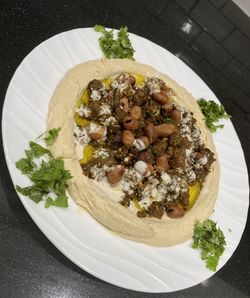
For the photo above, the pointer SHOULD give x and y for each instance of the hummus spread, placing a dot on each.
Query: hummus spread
(99, 198)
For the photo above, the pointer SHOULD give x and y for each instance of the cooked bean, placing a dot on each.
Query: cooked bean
(175, 212)
(178, 161)
(136, 112)
(130, 123)
(130, 80)
(98, 133)
(168, 106)
(176, 116)
(162, 162)
(125, 105)
(161, 97)
(128, 138)
(150, 132)
(116, 174)
(164, 130)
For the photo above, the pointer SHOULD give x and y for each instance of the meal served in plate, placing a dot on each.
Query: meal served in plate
(142, 160)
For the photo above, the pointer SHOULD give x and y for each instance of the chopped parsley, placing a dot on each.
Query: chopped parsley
(47, 174)
(212, 112)
(120, 47)
(211, 241)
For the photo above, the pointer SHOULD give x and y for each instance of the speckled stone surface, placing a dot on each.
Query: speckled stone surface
(30, 266)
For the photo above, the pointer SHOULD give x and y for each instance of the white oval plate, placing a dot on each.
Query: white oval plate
(74, 232)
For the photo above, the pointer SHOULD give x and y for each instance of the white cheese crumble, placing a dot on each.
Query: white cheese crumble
(81, 135)
(109, 121)
(120, 86)
(101, 153)
(154, 85)
(83, 111)
(95, 95)
(93, 128)
(142, 168)
(98, 173)
(130, 179)
(105, 110)
(166, 178)
(139, 144)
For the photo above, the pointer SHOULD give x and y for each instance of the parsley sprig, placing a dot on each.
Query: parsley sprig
(212, 112)
(49, 178)
(120, 47)
(211, 241)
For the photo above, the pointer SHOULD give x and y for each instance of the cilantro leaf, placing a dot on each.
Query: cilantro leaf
(31, 192)
(25, 165)
(120, 47)
(211, 241)
(60, 201)
(51, 135)
(37, 150)
(212, 112)
(48, 177)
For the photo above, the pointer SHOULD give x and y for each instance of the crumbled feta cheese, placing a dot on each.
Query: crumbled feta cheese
(97, 173)
(95, 95)
(166, 178)
(191, 176)
(81, 135)
(83, 111)
(93, 128)
(109, 121)
(139, 144)
(101, 153)
(105, 110)
(120, 86)
(142, 168)
(154, 85)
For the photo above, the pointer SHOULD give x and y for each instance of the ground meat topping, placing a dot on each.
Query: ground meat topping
(135, 134)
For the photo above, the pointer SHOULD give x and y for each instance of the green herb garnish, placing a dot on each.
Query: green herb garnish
(50, 136)
(120, 47)
(211, 241)
(48, 176)
(213, 112)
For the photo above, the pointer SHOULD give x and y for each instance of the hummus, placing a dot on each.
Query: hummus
(99, 198)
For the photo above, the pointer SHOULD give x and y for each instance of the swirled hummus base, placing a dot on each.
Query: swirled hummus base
(99, 199)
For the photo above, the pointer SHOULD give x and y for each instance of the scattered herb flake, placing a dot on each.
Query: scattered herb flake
(120, 47)
(212, 112)
(211, 241)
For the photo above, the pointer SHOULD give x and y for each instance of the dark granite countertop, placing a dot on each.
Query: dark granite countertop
(216, 47)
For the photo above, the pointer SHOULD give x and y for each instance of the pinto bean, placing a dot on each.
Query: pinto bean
(175, 211)
(162, 162)
(164, 130)
(136, 112)
(130, 80)
(128, 138)
(168, 106)
(130, 123)
(161, 97)
(116, 174)
(150, 132)
(125, 105)
(98, 133)
(176, 116)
